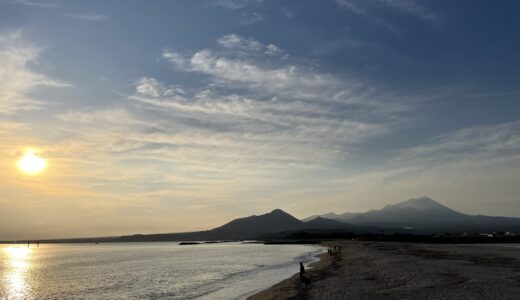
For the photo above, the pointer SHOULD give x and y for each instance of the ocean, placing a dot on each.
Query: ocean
(146, 270)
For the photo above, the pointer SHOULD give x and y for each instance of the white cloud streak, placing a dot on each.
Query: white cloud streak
(234, 4)
(415, 9)
(248, 45)
(86, 17)
(250, 18)
(409, 7)
(482, 142)
(373, 18)
(38, 4)
(17, 79)
(229, 4)
(58, 9)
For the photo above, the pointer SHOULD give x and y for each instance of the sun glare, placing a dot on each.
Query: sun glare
(17, 263)
(31, 164)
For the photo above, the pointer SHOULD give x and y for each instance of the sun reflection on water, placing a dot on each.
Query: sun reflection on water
(15, 277)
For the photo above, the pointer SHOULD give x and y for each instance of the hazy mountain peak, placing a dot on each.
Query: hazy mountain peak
(413, 211)
(330, 215)
(422, 203)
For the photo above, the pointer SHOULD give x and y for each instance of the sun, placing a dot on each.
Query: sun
(31, 164)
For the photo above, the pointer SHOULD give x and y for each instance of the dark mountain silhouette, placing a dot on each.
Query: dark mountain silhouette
(418, 216)
(425, 215)
(414, 211)
(325, 223)
(247, 228)
(344, 217)
(250, 227)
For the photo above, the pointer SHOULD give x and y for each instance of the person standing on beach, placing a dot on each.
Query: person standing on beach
(304, 281)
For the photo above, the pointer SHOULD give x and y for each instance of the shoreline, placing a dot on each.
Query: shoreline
(393, 270)
(289, 287)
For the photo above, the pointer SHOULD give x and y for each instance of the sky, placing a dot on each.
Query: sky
(170, 116)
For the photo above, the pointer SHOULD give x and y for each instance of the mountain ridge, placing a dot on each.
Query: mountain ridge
(427, 214)
(415, 216)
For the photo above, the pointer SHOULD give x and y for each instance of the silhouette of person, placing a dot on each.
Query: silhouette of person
(304, 281)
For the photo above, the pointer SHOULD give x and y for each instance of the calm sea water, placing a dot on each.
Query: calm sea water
(146, 270)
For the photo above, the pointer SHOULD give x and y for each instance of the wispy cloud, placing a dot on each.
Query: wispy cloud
(174, 58)
(410, 7)
(229, 4)
(282, 82)
(249, 45)
(288, 13)
(415, 9)
(281, 121)
(150, 87)
(58, 8)
(250, 18)
(234, 4)
(38, 4)
(363, 12)
(468, 169)
(17, 79)
(480, 142)
(86, 17)
(278, 110)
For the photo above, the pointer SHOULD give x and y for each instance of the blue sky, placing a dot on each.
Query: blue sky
(210, 110)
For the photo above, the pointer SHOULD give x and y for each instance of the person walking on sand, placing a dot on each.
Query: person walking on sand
(302, 270)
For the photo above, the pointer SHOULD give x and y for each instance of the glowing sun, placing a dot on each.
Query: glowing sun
(31, 164)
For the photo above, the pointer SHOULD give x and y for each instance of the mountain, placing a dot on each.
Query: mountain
(344, 217)
(419, 216)
(324, 223)
(411, 212)
(250, 227)
(424, 215)
(331, 215)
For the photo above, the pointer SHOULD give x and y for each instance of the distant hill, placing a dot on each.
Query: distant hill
(250, 227)
(324, 223)
(344, 217)
(246, 228)
(424, 215)
(414, 211)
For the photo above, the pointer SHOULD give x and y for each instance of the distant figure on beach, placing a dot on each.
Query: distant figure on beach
(304, 281)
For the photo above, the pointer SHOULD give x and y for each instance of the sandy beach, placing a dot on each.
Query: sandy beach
(383, 270)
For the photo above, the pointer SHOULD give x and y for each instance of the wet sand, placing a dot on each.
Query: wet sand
(385, 270)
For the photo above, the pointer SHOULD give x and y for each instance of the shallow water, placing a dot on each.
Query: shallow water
(146, 270)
